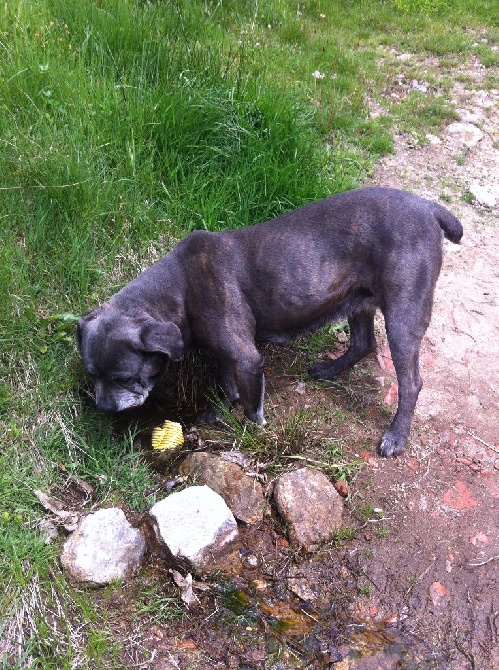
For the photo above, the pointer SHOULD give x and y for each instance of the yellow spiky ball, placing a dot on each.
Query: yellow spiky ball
(167, 436)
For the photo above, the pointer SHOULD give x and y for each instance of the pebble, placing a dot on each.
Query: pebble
(250, 561)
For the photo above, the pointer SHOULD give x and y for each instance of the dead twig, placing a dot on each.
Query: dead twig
(42, 186)
(418, 579)
(479, 439)
(489, 560)
(323, 463)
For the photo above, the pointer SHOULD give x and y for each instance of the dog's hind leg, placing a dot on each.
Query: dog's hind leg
(362, 343)
(404, 337)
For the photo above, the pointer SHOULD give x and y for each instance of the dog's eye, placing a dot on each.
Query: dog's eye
(124, 381)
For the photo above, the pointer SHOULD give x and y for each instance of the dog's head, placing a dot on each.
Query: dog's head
(125, 355)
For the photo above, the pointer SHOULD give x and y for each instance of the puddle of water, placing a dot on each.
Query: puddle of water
(376, 646)
(353, 646)
(284, 619)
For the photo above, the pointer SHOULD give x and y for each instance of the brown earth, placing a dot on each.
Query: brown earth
(417, 584)
(443, 497)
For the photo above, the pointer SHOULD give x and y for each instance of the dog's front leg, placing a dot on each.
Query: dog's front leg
(228, 386)
(250, 382)
(240, 381)
(228, 396)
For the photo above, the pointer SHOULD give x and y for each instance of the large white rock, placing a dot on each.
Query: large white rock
(196, 527)
(104, 547)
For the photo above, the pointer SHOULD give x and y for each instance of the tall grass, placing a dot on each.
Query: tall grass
(126, 124)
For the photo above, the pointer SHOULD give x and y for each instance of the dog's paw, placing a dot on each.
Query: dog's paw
(323, 371)
(391, 445)
(210, 415)
(256, 417)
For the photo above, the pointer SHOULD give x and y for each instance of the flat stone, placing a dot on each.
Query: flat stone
(103, 548)
(243, 494)
(310, 579)
(300, 586)
(466, 134)
(310, 507)
(484, 195)
(195, 527)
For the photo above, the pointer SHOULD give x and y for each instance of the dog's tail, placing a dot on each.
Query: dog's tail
(451, 227)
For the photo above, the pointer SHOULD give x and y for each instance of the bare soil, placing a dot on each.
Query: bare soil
(417, 584)
(439, 565)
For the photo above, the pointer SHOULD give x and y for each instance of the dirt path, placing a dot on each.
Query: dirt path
(437, 569)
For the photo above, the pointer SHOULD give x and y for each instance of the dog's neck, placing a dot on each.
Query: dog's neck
(150, 297)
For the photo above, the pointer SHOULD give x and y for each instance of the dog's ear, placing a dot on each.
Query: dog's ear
(79, 335)
(82, 322)
(162, 338)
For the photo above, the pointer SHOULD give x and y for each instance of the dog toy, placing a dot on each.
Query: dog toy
(167, 436)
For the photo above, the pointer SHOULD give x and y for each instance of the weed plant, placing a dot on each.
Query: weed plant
(123, 126)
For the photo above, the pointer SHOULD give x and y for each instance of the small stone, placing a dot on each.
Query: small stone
(483, 99)
(433, 139)
(195, 527)
(422, 88)
(384, 358)
(259, 585)
(342, 488)
(250, 561)
(301, 588)
(103, 548)
(438, 593)
(471, 115)
(391, 395)
(309, 505)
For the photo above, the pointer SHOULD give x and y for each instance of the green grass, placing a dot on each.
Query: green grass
(325, 339)
(123, 126)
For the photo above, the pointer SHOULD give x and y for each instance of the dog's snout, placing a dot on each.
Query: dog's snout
(109, 398)
(104, 400)
(105, 404)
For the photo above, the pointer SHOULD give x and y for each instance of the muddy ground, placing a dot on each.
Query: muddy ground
(413, 582)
